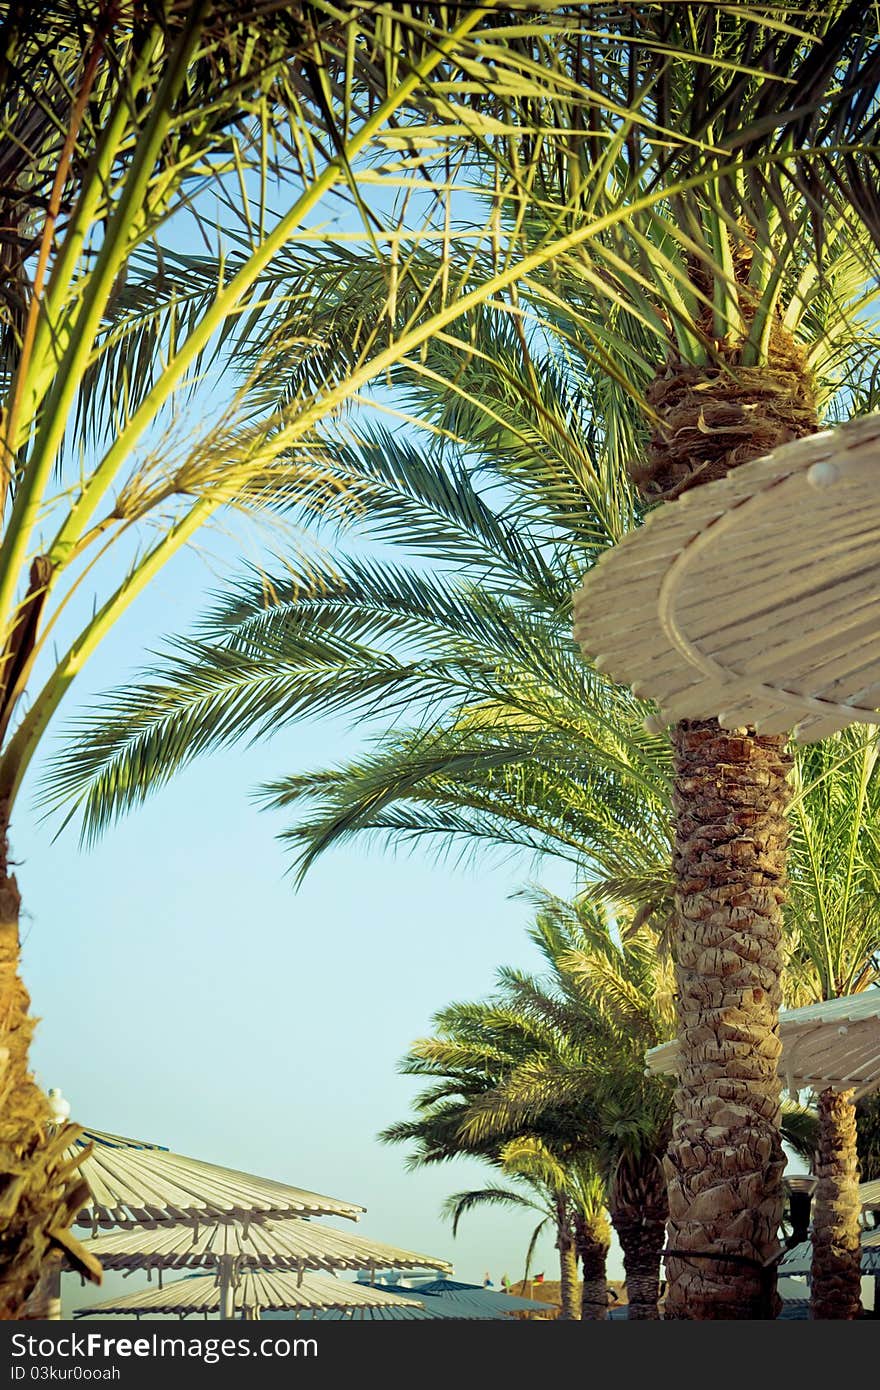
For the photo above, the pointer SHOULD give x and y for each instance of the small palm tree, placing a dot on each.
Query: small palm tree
(474, 1046)
(606, 999)
(571, 1198)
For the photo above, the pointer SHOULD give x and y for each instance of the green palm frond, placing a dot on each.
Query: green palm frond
(460, 1203)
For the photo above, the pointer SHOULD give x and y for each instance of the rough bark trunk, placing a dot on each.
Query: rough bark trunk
(725, 1158)
(725, 1161)
(568, 1275)
(836, 1276)
(592, 1243)
(38, 1199)
(638, 1213)
(44, 1304)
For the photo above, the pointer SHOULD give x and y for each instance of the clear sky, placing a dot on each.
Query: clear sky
(190, 996)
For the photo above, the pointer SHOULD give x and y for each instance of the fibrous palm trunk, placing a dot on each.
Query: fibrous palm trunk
(568, 1275)
(836, 1278)
(39, 1195)
(591, 1244)
(724, 1164)
(725, 1161)
(638, 1214)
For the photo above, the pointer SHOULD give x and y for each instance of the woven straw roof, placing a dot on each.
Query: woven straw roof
(833, 1045)
(131, 1183)
(294, 1245)
(754, 599)
(478, 1296)
(258, 1289)
(399, 1313)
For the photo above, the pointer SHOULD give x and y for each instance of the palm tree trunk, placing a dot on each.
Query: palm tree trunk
(37, 1198)
(725, 1161)
(44, 1304)
(638, 1214)
(592, 1243)
(568, 1275)
(836, 1276)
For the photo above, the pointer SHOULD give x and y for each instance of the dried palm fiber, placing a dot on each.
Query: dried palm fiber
(836, 1273)
(40, 1192)
(725, 1161)
(710, 419)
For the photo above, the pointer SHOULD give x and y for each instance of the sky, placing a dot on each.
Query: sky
(189, 995)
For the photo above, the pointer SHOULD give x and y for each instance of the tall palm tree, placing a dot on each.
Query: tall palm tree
(136, 405)
(711, 169)
(727, 274)
(834, 944)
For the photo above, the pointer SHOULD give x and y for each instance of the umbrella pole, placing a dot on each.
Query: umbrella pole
(225, 1281)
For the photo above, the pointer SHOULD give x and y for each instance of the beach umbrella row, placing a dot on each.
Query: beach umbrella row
(180, 1212)
(258, 1289)
(282, 1245)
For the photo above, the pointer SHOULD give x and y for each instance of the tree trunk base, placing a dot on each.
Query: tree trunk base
(836, 1274)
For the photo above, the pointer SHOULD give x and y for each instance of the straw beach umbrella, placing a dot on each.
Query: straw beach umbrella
(133, 1183)
(753, 599)
(231, 1248)
(295, 1246)
(453, 1299)
(259, 1289)
(832, 1048)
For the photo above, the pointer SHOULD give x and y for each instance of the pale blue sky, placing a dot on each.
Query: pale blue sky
(189, 996)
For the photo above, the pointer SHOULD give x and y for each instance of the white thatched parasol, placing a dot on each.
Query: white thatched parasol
(283, 1245)
(828, 1046)
(754, 599)
(257, 1289)
(134, 1183)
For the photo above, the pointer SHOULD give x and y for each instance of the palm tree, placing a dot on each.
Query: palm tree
(571, 1198)
(474, 1046)
(605, 1000)
(834, 944)
(749, 334)
(719, 158)
(136, 404)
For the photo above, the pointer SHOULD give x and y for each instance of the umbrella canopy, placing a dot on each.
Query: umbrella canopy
(870, 1195)
(790, 1291)
(753, 599)
(489, 1298)
(833, 1045)
(292, 1245)
(133, 1183)
(410, 1313)
(257, 1289)
(799, 1259)
(450, 1299)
